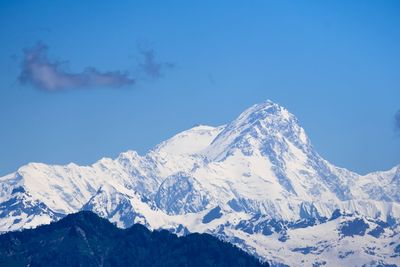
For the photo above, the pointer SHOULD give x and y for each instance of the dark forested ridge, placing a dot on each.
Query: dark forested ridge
(84, 239)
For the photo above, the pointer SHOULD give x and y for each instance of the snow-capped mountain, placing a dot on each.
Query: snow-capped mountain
(256, 182)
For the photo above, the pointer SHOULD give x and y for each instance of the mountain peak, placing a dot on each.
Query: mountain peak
(190, 141)
(266, 104)
(256, 126)
(264, 111)
(257, 175)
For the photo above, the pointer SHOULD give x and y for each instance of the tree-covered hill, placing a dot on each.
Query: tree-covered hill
(84, 239)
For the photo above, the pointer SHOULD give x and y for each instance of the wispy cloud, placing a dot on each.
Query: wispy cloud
(49, 75)
(150, 66)
(39, 71)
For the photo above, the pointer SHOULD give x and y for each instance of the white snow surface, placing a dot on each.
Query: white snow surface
(235, 181)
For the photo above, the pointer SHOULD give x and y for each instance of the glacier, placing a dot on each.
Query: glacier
(256, 182)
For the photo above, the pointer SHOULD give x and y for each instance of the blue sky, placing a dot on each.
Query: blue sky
(335, 65)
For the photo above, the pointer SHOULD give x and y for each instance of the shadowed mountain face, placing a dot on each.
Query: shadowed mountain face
(84, 239)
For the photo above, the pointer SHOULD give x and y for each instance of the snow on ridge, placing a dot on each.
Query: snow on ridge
(250, 178)
(189, 142)
(265, 139)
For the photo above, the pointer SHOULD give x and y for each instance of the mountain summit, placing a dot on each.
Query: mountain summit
(257, 127)
(256, 182)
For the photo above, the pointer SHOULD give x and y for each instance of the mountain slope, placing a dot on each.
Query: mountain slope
(84, 239)
(251, 181)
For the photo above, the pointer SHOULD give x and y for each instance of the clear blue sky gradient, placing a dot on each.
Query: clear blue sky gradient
(334, 64)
